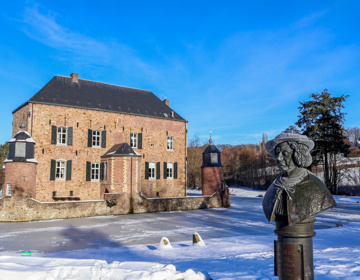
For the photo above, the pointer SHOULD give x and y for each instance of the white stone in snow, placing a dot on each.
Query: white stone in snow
(165, 244)
(197, 240)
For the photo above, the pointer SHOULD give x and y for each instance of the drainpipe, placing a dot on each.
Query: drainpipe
(131, 187)
(185, 159)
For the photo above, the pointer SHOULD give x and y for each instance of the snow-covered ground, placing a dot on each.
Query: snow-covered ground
(239, 245)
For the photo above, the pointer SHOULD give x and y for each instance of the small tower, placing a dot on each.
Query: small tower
(20, 166)
(212, 175)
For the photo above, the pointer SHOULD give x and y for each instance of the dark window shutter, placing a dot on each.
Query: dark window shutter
(158, 170)
(11, 150)
(165, 170)
(103, 139)
(89, 138)
(29, 150)
(175, 170)
(70, 136)
(88, 170)
(52, 170)
(53, 134)
(139, 140)
(101, 171)
(146, 170)
(68, 170)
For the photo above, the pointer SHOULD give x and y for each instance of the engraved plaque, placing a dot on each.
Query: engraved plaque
(289, 261)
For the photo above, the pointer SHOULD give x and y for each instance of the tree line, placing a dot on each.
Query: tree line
(244, 165)
(321, 119)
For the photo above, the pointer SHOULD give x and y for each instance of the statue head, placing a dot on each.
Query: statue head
(290, 150)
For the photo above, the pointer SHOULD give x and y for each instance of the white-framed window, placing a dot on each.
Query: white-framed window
(170, 143)
(106, 170)
(60, 170)
(95, 171)
(170, 170)
(9, 189)
(152, 170)
(96, 138)
(133, 140)
(61, 135)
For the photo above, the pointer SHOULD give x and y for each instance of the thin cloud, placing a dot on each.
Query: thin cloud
(42, 25)
(44, 28)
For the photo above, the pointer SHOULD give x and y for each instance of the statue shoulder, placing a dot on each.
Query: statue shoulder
(315, 179)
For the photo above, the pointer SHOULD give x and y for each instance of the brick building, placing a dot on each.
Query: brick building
(93, 138)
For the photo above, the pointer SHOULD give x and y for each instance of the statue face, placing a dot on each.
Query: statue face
(284, 157)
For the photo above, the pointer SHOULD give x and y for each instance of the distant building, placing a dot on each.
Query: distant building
(212, 175)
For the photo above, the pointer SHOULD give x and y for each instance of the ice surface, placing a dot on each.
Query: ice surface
(239, 244)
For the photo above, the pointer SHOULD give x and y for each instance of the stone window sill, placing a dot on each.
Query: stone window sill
(63, 198)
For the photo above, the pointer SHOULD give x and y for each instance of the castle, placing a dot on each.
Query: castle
(82, 143)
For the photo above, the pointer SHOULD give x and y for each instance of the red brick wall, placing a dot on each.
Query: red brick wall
(123, 175)
(118, 128)
(211, 179)
(22, 176)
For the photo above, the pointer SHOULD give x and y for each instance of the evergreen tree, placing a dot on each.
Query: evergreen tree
(321, 119)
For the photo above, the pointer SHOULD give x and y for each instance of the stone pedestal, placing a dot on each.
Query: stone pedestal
(294, 250)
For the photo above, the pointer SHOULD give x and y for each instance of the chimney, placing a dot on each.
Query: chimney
(166, 102)
(75, 77)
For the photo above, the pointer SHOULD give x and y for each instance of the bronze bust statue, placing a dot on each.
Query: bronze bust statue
(297, 194)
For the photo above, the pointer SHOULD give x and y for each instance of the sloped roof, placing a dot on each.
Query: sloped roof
(87, 94)
(122, 149)
(211, 149)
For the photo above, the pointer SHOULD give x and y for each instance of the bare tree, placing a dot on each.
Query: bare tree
(194, 162)
(353, 134)
(292, 129)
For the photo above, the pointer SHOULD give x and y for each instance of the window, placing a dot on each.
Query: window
(96, 137)
(170, 170)
(60, 170)
(106, 170)
(152, 169)
(95, 171)
(133, 140)
(61, 135)
(170, 143)
(9, 189)
(136, 140)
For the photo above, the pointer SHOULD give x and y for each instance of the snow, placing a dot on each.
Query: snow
(239, 244)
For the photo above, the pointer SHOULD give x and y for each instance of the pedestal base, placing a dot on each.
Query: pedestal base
(294, 250)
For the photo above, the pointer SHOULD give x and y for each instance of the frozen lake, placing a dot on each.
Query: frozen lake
(239, 240)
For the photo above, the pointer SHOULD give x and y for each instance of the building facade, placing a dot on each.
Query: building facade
(93, 138)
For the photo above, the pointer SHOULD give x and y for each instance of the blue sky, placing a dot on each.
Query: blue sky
(236, 68)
